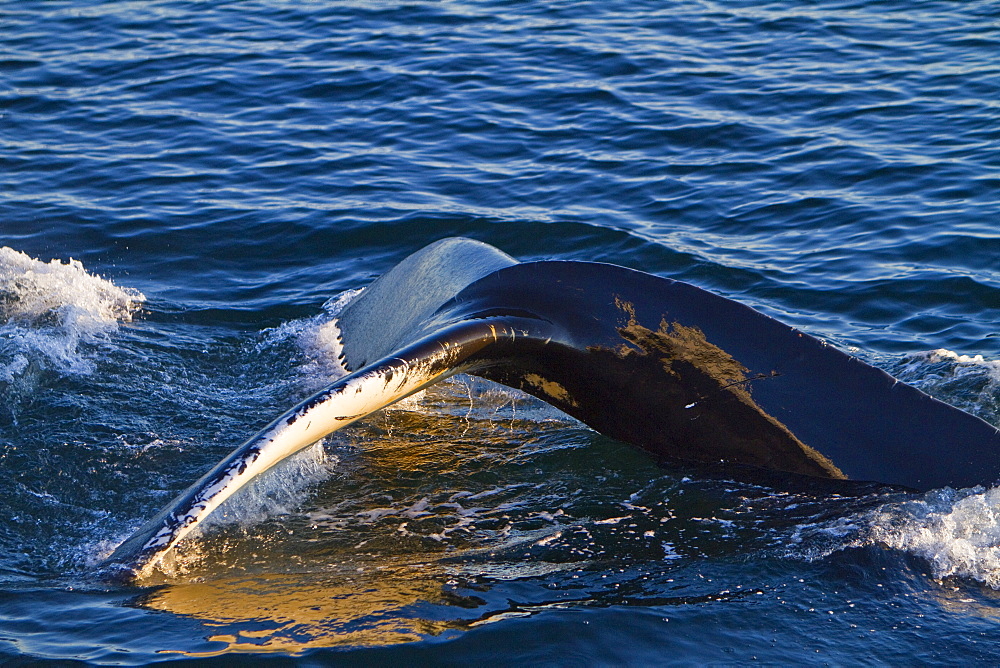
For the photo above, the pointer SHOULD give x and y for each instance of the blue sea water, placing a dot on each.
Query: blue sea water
(219, 172)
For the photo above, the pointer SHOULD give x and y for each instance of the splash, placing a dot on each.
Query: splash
(957, 532)
(49, 310)
(317, 341)
(277, 492)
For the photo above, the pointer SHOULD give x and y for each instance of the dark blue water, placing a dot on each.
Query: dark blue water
(220, 170)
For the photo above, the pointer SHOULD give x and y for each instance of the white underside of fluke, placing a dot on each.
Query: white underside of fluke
(460, 347)
(349, 399)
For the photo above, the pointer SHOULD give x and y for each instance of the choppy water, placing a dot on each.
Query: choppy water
(218, 171)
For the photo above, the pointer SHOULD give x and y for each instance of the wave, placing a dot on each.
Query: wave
(969, 382)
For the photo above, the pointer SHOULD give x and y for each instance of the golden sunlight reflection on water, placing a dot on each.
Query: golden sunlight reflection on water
(378, 550)
(292, 612)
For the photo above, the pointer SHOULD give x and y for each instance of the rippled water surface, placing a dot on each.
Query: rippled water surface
(219, 172)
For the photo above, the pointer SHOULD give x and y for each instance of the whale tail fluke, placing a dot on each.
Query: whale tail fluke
(683, 373)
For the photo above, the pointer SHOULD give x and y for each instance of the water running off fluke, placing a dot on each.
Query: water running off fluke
(682, 373)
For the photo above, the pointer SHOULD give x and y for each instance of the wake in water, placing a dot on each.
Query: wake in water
(957, 532)
(57, 322)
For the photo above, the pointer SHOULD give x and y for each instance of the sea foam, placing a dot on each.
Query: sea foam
(49, 310)
(956, 531)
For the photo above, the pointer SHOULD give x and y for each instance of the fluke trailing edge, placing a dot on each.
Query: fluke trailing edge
(685, 374)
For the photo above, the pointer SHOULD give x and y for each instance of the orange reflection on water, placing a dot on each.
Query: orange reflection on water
(293, 612)
(368, 555)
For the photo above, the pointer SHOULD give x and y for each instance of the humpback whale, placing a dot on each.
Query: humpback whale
(685, 374)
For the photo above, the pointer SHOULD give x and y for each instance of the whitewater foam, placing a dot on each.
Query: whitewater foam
(318, 339)
(957, 532)
(48, 310)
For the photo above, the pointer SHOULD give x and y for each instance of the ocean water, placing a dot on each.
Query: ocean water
(187, 187)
